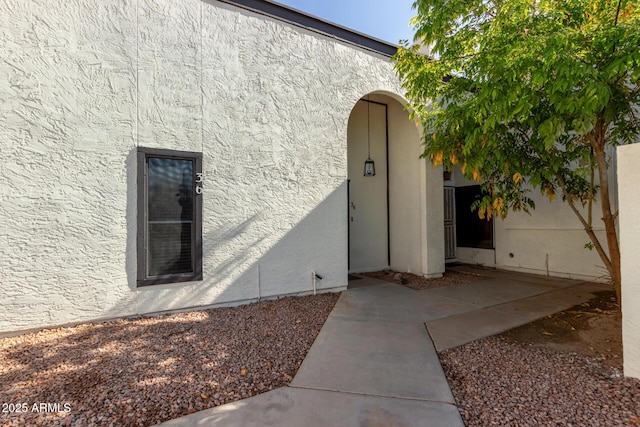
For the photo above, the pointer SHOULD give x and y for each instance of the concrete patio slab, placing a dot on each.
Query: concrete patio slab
(485, 293)
(456, 330)
(518, 276)
(394, 303)
(374, 358)
(291, 407)
(555, 301)
(436, 307)
(551, 282)
(364, 281)
(593, 287)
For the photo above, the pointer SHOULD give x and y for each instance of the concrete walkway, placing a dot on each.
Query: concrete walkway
(374, 362)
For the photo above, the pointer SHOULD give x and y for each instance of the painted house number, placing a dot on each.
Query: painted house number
(199, 180)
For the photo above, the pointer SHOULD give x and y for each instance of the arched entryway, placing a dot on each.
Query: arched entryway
(389, 214)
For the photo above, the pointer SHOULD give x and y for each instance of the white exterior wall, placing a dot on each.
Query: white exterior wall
(548, 241)
(85, 82)
(405, 192)
(416, 211)
(368, 195)
(628, 179)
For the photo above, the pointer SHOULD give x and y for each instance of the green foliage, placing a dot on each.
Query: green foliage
(522, 93)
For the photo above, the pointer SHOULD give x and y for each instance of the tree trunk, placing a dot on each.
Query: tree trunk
(608, 217)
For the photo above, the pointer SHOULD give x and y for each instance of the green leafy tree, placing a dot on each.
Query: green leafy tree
(529, 94)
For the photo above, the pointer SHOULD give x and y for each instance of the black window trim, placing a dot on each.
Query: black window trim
(142, 154)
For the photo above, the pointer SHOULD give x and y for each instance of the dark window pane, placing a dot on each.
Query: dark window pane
(169, 248)
(471, 231)
(170, 216)
(170, 189)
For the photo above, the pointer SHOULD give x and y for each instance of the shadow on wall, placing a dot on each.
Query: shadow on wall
(132, 219)
(269, 254)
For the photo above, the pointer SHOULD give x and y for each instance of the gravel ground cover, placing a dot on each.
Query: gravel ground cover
(562, 370)
(139, 372)
(418, 283)
(497, 383)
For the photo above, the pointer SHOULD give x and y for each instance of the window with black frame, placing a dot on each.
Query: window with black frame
(169, 216)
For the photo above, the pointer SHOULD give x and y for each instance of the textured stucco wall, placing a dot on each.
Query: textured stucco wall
(432, 218)
(628, 179)
(67, 127)
(405, 192)
(86, 82)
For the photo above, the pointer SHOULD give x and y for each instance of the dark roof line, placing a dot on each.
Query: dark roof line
(310, 22)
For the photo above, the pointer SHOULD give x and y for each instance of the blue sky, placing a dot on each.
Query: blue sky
(387, 20)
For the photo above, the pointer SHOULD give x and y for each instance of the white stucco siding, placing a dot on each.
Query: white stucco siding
(549, 240)
(279, 150)
(432, 221)
(63, 175)
(169, 74)
(629, 220)
(87, 82)
(405, 191)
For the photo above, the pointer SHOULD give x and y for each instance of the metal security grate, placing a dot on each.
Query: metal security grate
(449, 222)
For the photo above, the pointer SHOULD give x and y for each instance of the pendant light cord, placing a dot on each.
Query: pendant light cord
(368, 128)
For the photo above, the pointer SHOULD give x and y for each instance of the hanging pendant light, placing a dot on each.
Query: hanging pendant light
(369, 165)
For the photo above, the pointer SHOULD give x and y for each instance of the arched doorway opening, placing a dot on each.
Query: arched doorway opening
(389, 226)
(368, 203)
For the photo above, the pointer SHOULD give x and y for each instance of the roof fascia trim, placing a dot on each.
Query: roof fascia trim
(315, 24)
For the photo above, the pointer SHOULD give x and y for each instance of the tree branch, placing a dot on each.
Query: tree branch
(592, 236)
(591, 184)
(615, 23)
(591, 140)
